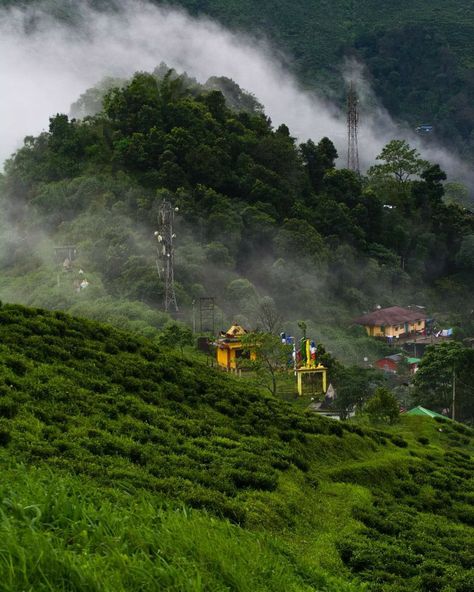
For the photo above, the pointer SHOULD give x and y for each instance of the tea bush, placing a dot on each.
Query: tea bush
(91, 403)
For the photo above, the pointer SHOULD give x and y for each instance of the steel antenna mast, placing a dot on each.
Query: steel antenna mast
(352, 129)
(165, 252)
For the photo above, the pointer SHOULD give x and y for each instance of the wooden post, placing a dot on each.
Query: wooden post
(300, 383)
(324, 381)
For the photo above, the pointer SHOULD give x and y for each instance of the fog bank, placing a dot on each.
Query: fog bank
(45, 64)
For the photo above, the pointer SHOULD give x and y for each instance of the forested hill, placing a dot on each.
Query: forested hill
(418, 54)
(259, 215)
(128, 467)
(314, 30)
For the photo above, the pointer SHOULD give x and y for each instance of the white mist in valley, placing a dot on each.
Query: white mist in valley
(45, 64)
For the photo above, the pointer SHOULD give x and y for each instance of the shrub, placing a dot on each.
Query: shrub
(5, 437)
(253, 479)
(399, 441)
(17, 365)
(8, 407)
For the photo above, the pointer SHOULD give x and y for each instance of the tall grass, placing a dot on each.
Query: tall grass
(59, 532)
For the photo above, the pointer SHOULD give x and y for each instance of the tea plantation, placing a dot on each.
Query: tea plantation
(129, 467)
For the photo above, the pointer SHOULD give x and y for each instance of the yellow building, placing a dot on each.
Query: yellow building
(311, 381)
(393, 322)
(229, 348)
(311, 375)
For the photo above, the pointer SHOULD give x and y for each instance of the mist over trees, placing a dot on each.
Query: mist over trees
(255, 208)
(129, 463)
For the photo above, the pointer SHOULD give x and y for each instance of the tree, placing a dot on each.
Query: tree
(465, 256)
(268, 316)
(271, 357)
(300, 239)
(401, 163)
(354, 385)
(318, 160)
(457, 194)
(176, 335)
(135, 107)
(444, 369)
(382, 406)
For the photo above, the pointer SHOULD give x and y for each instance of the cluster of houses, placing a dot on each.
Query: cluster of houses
(407, 329)
(394, 323)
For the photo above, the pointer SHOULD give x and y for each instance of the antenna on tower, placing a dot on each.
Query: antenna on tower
(352, 129)
(165, 252)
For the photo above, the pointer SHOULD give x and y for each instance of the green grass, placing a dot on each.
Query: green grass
(61, 533)
(127, 467)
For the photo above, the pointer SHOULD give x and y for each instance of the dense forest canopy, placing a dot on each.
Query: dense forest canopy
(417, 55)
(258, 213)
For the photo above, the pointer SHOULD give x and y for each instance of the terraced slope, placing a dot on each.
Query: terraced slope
(108, 443)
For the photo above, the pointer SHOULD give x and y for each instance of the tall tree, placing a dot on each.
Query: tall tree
(400, 162)
(383, 406)
(444, 379)
(271, 358)
(318, 160)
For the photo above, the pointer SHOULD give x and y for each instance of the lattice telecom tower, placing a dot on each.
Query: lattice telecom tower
(207, 314)
(165, 253)
(352, 129)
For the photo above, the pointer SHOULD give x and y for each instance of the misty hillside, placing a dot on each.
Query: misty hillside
(260, 217)
(129, 462)
(418, 54)
(128, 467)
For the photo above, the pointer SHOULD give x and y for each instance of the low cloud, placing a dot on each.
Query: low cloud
(46, 63)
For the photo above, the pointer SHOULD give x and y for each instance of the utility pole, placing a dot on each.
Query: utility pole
(165, 252)
(352, 130)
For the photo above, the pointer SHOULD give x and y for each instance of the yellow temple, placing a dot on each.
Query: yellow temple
(229, 349)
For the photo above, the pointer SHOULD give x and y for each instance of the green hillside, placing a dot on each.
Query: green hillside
(127, 467)
(419, 55)
(107, 441)
(259, 217)
(314, 31)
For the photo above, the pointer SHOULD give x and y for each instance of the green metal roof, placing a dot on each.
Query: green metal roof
(413, 360)
(422, 411)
